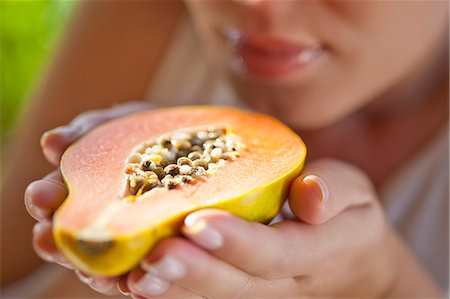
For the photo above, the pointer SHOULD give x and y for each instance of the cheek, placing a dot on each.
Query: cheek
(374, 46)
(385, 44)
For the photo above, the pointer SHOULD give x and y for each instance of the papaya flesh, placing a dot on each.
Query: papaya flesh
(103, 234)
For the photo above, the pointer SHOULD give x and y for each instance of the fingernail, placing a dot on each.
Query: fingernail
(124, 292)
(122, 288)
(35, 212)
(104, 285)
(67, 131)
(83, 277)
(168, 268)
(66, 265)
(136, 296)
(202, 233)
(151, 285)
(317, 185)
(43, 254)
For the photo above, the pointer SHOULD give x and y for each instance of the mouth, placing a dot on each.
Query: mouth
(268, 55)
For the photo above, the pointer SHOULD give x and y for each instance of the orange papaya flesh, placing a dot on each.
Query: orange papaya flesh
(102, 234)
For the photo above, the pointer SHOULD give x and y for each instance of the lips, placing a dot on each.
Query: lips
(271, 56)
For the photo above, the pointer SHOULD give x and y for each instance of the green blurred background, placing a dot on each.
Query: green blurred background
(29, 31)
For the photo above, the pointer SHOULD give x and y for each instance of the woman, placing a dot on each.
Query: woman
(362, 82)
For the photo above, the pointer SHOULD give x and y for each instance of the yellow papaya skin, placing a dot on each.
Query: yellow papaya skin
(260, 205)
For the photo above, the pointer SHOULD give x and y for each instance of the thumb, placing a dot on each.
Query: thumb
(326, 188)
(56, 141)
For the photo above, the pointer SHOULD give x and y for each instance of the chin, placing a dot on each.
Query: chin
(308, 121)
(299, 115)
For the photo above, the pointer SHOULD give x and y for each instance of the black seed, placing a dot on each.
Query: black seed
(194, 156)
(135, 183)
(201, 163)
(208, 145)
(172, 169)
(184, 161)
(181, 144)
(94, 247)
(198, 171)
(152, 183)
(196, 141)
(171, 184)
(159, 172)
(166, 178)
(187, 179)
(164, 162)
(165, 142)
(147, 165)
(197, 148)
(180, 154)
(227, 156)
(150, 175)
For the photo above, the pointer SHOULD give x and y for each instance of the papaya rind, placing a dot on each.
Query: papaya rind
(260, 204)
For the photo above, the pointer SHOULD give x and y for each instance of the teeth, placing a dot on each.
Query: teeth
(233, 36)
(308, 54)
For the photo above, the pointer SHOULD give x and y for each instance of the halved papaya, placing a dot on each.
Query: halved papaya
(107, 224)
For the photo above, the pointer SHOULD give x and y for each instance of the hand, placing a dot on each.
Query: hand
(339, 246)
(43, 197)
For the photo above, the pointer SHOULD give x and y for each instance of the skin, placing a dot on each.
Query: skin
(310, 253)
(67, 86)
(377, 62)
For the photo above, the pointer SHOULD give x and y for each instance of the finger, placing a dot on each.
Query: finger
(328, 187)
(44, 196)
(54, 176)
(45, 247)
(104, 285)
(56, 141)
(285, 249)
(141, 285)
(228, 237)
(88, 120)
(180, 262)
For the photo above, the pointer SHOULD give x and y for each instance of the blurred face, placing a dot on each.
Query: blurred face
(312, 63)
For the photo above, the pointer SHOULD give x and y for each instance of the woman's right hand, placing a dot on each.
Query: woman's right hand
(44, 196)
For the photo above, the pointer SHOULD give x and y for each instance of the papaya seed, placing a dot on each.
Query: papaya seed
(194, 156)
(184, 161)
(179, 158)
(185, 169)
(187, 179)
(94, 247)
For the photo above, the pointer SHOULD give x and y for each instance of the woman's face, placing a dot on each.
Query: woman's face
(311, 63)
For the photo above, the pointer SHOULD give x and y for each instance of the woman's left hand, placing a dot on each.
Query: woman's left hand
(338, 244)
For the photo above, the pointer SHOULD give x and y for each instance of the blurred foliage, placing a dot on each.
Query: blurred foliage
(28, 32)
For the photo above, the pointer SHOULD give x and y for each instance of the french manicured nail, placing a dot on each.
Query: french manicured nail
(151, 285)
(168, 268)
(319, 186)
(201, 232)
